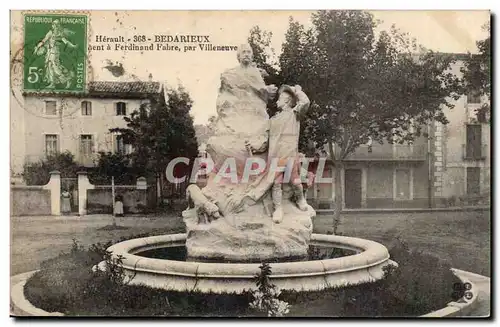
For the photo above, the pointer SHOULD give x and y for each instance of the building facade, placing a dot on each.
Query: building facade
(446, 169)
(80, 124)
(462, 152)
(378, 176)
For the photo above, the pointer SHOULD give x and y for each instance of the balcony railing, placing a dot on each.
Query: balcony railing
(390, 153)
(471, 152)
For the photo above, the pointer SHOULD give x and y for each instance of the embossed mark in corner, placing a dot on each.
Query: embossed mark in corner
(55, 47)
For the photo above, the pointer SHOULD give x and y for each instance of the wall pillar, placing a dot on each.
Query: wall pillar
(83, 185)
(54, 186)
(438, 161)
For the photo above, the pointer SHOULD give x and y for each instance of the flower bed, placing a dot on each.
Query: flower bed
(67, 284)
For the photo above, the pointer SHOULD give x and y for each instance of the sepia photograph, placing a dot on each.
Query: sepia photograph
(259, 163)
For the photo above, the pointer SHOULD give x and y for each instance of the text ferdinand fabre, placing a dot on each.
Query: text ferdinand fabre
(158, 42)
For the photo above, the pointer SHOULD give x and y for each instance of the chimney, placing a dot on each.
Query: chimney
(150, 77)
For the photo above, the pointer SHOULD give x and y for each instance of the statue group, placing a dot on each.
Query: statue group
(253, 207)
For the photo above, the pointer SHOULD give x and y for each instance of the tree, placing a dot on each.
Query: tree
(477, 71)
(112, 165)
(363, 87)
(204, 132)
(264, 55)
(159, 132)
(38, 173)
(264, 58)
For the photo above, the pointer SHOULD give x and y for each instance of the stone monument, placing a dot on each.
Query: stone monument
(251, 210)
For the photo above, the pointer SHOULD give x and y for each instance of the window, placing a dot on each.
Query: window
(51, 144)
(121, 109)
(86, 108)
(51, 108)
(473, 97)
(402, 184)
(119, 145)
(86, 146)
(473, 146)
(473, 180)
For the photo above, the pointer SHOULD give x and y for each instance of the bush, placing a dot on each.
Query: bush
(67, 284)
(38, 173)
(424, 289)
(421, 284)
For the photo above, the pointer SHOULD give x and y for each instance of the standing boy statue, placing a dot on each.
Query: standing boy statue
(284, 130)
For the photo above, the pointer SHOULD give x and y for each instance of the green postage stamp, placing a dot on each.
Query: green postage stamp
(55, 52)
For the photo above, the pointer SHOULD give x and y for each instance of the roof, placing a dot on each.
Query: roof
(124, 87)
(110, 89)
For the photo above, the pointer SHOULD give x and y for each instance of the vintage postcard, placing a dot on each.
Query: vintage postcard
(329, 163)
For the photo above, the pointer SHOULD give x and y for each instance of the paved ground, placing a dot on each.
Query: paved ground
(484, 297)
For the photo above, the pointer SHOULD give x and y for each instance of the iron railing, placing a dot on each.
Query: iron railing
(390, 153)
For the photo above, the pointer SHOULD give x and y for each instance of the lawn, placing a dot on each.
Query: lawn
(36, 239)
(463, 238)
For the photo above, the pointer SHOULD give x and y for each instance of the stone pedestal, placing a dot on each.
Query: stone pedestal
(250, 236)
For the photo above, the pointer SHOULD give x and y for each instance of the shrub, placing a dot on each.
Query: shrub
(38, 173)
(421, 283)
(266, 298)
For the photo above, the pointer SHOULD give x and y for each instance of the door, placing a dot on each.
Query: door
(473, 178)
(352, 181)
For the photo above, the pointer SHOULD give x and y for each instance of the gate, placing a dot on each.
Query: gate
(70, 184)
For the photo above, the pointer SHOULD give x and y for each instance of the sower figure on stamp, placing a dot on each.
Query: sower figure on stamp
(55, 72)
(284, 132)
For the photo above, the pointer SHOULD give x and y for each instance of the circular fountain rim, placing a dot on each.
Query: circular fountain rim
(371, 254)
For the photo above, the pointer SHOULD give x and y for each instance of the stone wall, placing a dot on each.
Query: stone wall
(99, 199)
(30, 201)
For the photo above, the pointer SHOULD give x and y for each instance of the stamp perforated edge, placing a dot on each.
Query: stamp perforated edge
(89, 76)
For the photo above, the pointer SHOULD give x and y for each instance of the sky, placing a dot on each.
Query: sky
(199, 72)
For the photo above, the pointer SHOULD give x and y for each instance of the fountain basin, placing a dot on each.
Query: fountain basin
(364, 266)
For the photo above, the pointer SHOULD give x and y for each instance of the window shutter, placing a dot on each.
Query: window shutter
(95, 145)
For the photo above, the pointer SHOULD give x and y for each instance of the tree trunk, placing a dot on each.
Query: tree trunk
(338, 195)
(160, 186)
(113, 197)
(338, 186)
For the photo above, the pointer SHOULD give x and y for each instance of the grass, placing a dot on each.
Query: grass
(66, 283)
(37, 239)
(462, 238)
(113, 227)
